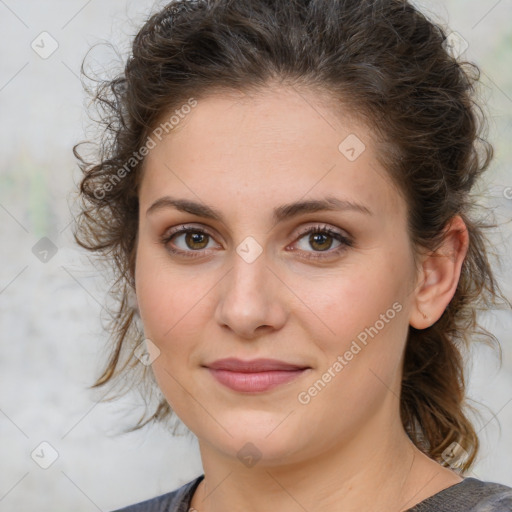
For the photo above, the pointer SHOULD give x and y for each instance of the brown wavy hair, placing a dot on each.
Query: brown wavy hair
(389, 65)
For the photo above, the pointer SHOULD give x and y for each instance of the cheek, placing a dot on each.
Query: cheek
(172, 300)
(160, 305)
(159, 302)
(169, 303)
(361, 359)
(356, 297)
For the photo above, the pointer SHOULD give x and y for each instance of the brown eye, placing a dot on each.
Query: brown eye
(196, 240)
(187, 241)
(321, 239)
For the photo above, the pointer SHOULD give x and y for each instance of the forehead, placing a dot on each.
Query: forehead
(280, 143)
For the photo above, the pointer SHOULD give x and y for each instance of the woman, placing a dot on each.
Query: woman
(283, 191)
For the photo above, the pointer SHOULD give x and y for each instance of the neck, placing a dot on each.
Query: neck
(370, 472)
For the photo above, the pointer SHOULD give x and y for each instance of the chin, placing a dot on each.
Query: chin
(256, 438)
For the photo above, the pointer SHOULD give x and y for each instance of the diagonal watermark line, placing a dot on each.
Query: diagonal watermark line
(70, 70)
(83, 287)
(72, 220)
(66, 226)
(14, 218)
(486, 14)
(86, 414)
(280, 423)
(76, 14)
(14, 423)
(13, 279)
(198, 301)
(7, 7)
(286, 491)
(316, 110)
(14, 76)
(199, 403)
(15, 485)
(88, 497)
(384, 383)
(494, 416)
(411, 465)
(497, 86)
(301, 300)
(217, 486)
(412, 497)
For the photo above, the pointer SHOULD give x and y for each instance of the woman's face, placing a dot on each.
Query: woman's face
(253, 283)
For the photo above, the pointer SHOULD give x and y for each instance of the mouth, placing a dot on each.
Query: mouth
(254, 376)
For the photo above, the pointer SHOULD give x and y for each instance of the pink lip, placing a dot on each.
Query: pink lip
(254, 376)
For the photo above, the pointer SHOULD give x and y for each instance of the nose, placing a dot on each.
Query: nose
(251, 299)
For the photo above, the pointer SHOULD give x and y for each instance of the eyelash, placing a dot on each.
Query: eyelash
(319, 229)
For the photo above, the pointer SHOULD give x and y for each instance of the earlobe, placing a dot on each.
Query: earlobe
(439, 275)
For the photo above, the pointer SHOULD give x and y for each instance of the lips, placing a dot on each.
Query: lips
(256, 375)
(254, 365)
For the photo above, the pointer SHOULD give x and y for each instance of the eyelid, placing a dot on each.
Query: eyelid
(341, 236)
(320, 226)
(344, 238)
(185, 228)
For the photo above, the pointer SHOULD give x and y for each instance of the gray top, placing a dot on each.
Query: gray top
(470, 495)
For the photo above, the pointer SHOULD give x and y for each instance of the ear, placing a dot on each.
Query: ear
(439, 275)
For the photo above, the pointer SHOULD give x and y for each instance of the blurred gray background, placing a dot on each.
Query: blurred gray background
(52, 342)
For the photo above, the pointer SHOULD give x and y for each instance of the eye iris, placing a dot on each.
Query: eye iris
(196, 238)
(320, 238)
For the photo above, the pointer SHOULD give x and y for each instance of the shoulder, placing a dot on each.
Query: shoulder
(175, 501)
(491, 497)
(470, 495)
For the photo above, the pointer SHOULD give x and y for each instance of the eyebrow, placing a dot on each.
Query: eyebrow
(280, 213)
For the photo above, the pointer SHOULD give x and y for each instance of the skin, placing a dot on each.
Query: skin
(244, 156)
